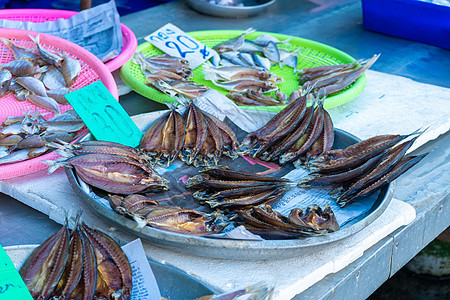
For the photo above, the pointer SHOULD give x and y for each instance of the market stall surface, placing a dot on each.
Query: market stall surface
(424, 188)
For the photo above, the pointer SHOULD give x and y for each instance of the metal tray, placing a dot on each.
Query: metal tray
(235, 249)
(250, 9)
(173, 283)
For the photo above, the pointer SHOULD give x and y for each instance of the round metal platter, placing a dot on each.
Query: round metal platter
(228, 248)
(173, 283)
(250, 8)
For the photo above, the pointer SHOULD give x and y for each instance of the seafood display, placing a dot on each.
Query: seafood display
(146, 211)
(326, 80)
(168, 74)
(38, 75)
(29, 136)
(83, 264)
(249, 195)
(363, 167)
(256, 98)
(296, 131)
(197, 137)
(112, 167)
(222, 188)
(268, 223)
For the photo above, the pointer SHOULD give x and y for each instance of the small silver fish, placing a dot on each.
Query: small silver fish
(62, 126)
(31, 141)
(22, 155)
(59, 136)
(45, 102)
(15, 128)
(10, 140)
(20, 52)
(58, 94)
(215, 59)
(291, 61)
(271, 51)
(29, 125)
(233, 44)
(5, 75)
(33, 85)
(21, 67)
(53, 79)
(48, 56)
(70, 69)
(263, 62)
(70, 115)
(247, 58)
(250, 46)
(234, 58)
(264, 39)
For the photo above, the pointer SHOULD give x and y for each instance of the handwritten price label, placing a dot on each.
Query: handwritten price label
(174, 41)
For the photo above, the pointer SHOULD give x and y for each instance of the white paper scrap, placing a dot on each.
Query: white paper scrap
(174, 41)
(144, 282)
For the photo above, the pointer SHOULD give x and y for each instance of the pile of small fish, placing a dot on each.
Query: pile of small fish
(38, 75)
(146, 211)
(222, 188)
(197, 137)
(112, 167)
(266, 222)
(28, 136)
(363, 167)
(249, 196)
(295, 132)
(168, 74)
(326, 80)
(242, 79)
(83, 264)
(242, 52)
(255, 98)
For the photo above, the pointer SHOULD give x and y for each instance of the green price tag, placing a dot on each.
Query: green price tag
(11, 284)
(103, 115)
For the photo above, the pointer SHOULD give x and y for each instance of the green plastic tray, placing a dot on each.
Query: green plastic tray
(313, 54)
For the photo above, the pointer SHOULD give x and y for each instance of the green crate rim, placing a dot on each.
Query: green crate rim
(331, 101)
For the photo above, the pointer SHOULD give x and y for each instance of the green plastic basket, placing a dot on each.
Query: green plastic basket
(313, 54)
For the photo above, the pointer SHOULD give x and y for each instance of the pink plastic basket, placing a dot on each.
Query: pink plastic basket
(47, 15)
(92, 69)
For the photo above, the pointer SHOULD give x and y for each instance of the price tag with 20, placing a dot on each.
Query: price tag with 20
(173, 41)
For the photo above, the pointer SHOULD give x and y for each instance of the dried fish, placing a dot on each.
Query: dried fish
(314, 218)
(196, 132)
(45, 102)
(50, 57)
(20, 52)
(53, 79)
(113, 268)
(70, 69)
(43, 269)
(233, 44)
(32, 84)
(21, 67)
(22, 155)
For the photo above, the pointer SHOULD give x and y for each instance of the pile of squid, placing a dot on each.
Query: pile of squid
(249, 195)
(109, 166)
(38, 75)
(197, 137)
(146, 211)
(28, 136)
(329, 79)
(363, 167)
(256, 98)
(82, 264)
(297, 131)
(168, 74)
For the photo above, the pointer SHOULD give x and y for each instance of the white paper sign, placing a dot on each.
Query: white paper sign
(144, 282)
(174, 41)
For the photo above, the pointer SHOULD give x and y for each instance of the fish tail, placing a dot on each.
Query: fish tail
(55, 164)
(34, 39)
(7, 42)
(249, 30)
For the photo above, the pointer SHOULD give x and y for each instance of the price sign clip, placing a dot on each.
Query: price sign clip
(174, 41)
(103, 115)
